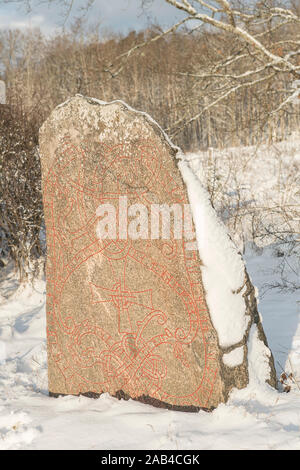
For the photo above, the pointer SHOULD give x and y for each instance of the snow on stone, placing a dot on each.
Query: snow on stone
(258, 359)
(234, 358)
(223, 267)
(2, 92)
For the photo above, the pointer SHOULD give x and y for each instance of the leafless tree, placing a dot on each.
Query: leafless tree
(263, 41)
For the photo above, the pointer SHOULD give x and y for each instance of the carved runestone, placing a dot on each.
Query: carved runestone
(124, 316)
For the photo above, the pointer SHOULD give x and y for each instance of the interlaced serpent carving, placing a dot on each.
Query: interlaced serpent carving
(123, 315)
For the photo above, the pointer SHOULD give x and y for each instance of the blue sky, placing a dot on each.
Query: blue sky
(115, 15)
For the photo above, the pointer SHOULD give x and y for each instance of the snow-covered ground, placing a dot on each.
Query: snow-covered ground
(254, 189)
(257, 417)
(253, 418)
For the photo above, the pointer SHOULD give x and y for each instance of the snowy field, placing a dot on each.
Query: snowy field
(255, 418)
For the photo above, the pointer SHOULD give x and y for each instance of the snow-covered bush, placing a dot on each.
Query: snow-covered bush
(20, 191)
